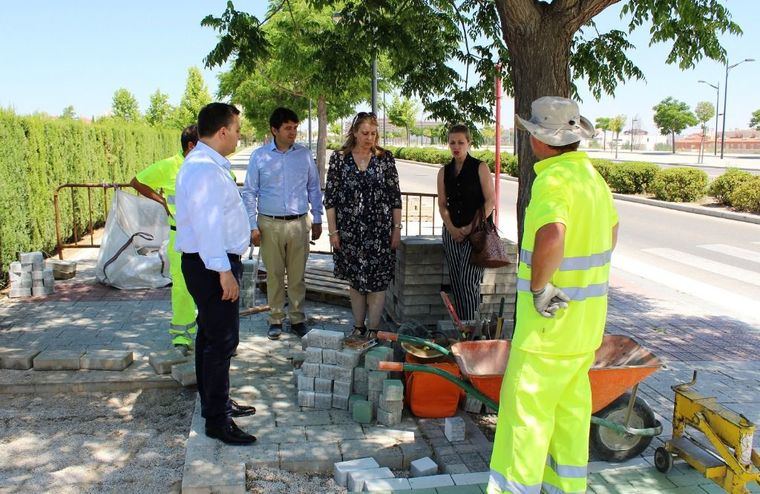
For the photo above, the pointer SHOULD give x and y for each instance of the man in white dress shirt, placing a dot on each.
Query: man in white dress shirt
(212, 233)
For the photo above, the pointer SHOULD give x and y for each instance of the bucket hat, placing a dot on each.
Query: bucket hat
(556, 121)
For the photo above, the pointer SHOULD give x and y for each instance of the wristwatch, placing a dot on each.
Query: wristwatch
(398, 226)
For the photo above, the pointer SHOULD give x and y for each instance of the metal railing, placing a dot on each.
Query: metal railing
(418, 214)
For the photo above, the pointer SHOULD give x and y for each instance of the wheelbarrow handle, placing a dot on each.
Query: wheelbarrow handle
(387, 336)
(415, 341)
(390, 366)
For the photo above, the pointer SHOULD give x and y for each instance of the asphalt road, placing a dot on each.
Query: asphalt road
(716, 261)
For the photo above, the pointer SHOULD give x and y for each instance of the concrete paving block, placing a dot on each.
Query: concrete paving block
(375, 380)
(19, 292)
(305, 383)
(348, 357)
(341, 388)
(374, 396)
(310, 369)
(460, 489)
(453, 429)
(375, 355)
(454, 468)
(341, 469)
(329, 356)
(30, 257)
(58, 360)
(393, 390)
(386, 485)
(306, 399)
(362, 411)
(393, 406)
(388, 418)
(323, 385)
(309, 458)
(471, 478)
(203, 477)
(17, 358)
(472, 405)
(344, 374)
(431, 481)
(163, 361)
(113, 360)
(357, 478)
(340, 402)
(323, 401)
(360, 380)
(386, 454)
(313, 355)
(332, 340)
(414, 451)
(424, 467)
(353, 399)
(184, 373)
(327, 371)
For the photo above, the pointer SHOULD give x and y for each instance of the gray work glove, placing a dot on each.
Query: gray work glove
(549, 300)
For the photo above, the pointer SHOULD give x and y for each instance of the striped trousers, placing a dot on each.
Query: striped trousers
(465, 277)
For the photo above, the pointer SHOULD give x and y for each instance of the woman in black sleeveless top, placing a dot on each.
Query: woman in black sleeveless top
(465, 189)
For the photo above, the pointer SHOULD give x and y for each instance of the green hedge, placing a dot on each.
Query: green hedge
(604, 167)
(40, 153)
(443, 156)
(680, 184)
(632, 177)
(746, 195)
(723, 187)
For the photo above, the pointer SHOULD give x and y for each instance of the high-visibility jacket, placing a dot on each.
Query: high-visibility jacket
(161, 175)
(568, 190)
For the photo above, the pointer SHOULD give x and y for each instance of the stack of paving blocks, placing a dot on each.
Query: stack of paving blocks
(248, 284)
(326, 377)
(62, 270)
(368, 385)
(421, 273)
(29, 277)
(391, 403)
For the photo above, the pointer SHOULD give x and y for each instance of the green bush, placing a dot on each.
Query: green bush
(746, 195)
(679, 184)
(604, 167)
(41, 153)
(631, 177)
(722, 187)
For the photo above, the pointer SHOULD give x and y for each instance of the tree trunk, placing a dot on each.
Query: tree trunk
(617, 143)
(604, 140)
(673, 140)
(321, 138)
(540, 52)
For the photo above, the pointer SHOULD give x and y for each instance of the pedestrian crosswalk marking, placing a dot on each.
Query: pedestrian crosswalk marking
(730, 250)
(719, 268)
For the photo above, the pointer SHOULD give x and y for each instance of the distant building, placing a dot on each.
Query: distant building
(737, 141)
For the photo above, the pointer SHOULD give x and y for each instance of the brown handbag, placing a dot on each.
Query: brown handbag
(487, 249)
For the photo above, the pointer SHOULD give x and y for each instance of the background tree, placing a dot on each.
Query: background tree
(69, 113)
(402, 112)
(755, 120)
(704, 111)
(195, 97)
(542, 48)
(603, 124)
(615, 125)
(124, 106)
(159, 111)
(672, 117)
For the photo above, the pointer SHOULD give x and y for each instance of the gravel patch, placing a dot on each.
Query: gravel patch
(94, 442)
(270, 481)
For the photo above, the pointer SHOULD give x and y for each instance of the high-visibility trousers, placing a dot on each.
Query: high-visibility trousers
(183, 307)
(543, 425)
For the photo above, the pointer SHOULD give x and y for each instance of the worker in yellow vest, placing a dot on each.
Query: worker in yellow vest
(157, 182)
(541, 442)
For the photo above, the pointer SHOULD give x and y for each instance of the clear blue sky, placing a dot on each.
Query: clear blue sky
(79, 52)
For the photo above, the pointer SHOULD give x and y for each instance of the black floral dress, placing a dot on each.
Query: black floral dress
(364, 202)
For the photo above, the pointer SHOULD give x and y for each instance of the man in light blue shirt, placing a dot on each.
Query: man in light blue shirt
(212, 234)
(281, 183)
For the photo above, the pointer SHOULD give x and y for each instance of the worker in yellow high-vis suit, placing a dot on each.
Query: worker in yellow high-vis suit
(157, 182)
(541, 443)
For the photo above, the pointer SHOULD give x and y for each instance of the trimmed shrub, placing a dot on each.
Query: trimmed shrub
(631, 177)
(604, 167)
(746, 195)
(679, 184)
(722, 187)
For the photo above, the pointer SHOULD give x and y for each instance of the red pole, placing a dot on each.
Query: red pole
(497, 157)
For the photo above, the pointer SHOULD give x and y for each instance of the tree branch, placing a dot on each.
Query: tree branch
(585, 10)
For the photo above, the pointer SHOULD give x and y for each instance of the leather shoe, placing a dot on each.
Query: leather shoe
(298, 329)
(239, 410)
(230, 434)
(275, 330)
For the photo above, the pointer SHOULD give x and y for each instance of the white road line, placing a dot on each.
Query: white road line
(738, 304)
(697, 262)
(730, 250)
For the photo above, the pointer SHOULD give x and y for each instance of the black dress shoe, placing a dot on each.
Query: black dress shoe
(298, 329)
(275, 330)
(239, 410)
(230, 434)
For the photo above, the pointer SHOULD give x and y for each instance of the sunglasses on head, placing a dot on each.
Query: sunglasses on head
(363, 114)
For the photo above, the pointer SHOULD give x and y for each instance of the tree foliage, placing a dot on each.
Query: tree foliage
(195, 97)
(672, 117)
(754, 122)
(159, 111)
(402, 112)
(69, 113)
(603, 124)
(124, 106)
(615, 125)
(704, 111)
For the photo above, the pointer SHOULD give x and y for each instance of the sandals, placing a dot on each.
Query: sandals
(361, 332)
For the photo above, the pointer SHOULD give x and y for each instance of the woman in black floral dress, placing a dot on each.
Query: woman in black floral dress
(363, 203)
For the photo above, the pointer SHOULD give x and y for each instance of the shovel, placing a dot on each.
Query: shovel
(259, 308)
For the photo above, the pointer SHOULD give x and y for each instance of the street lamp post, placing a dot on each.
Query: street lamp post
(725, 97)
(717, 105)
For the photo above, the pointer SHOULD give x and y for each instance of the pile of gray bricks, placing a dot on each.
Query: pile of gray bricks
(325, 379)
(421, 273)
(248, 284)
(375, 395)
(62, 269)
(29, 277)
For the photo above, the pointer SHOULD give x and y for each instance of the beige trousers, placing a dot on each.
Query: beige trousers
(284, 248)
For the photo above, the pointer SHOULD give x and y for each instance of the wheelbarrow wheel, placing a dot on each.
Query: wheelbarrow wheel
(609, 445)
(663, 460)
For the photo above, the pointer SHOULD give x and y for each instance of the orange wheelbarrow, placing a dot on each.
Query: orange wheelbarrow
(622, 425)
